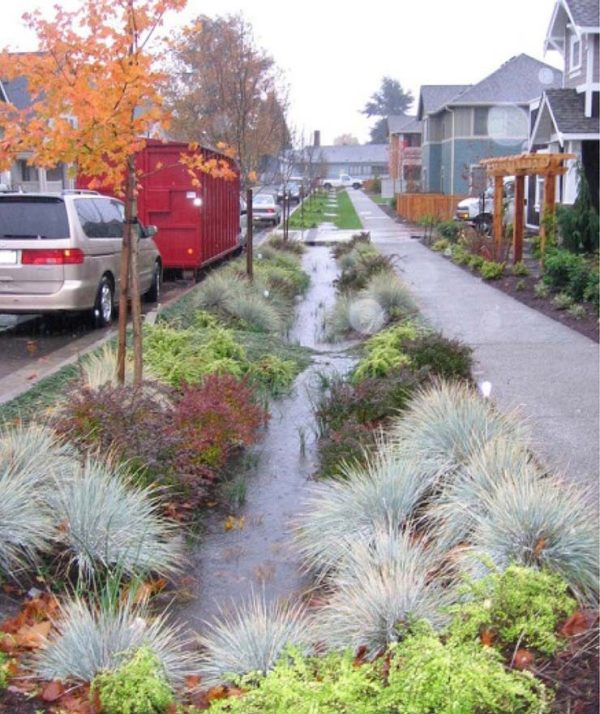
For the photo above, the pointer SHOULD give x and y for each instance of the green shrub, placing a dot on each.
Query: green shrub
(368, 402)
(519, 269)
(520, 285)
(563, 301)
(541, 289)
(273, 373)
(592, 289)
(475, 261)
(576, 311)
(138, 686)
(331, 684)
(3, 670)
(179, 357)
(460, 255)
(578, 225)
(350, 443)
(427, 675)
(491, 270)
(440, 245)
(567, 272)
(448, 230)
(520, 606)
(379, 362)
(440, 356)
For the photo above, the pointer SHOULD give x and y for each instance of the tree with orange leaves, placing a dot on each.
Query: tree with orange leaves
(94, 83)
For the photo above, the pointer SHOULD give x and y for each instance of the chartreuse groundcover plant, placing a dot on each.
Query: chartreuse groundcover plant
(422, 674)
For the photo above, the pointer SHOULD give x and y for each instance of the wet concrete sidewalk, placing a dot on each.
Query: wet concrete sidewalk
(534, 363)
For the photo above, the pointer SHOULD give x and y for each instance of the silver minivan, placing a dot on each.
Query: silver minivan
(62, 252)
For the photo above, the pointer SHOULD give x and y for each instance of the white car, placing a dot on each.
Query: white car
(265, 209)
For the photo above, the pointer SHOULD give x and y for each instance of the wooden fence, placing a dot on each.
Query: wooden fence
(414, 206)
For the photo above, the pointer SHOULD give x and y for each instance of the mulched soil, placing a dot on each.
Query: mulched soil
(521, 289)
(16, 703)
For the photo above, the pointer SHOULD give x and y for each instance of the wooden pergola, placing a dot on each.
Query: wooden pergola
(547, 165)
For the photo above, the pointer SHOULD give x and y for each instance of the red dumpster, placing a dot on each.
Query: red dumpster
(196, 224)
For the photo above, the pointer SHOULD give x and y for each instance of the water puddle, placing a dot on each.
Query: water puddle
(253, 549)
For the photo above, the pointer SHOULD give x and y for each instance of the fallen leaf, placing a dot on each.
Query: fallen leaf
(539, 546)
(575, 625)
(524, 659)
(215, 693)
(192, 681)
(233, 523)
(52, 691)
(32, 376)
(32, 636)
(487, 638)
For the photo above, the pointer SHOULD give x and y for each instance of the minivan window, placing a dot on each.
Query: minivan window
(100, 218)
(39, 217)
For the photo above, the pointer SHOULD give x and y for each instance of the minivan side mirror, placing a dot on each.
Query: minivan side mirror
(150, 231)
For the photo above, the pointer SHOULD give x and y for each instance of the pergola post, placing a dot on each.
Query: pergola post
(518, 224)
(548, 209)
(498, 212)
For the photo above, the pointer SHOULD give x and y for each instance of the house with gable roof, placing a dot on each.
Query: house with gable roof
(22, 176)
(567, 118)
(463, 124)
(404, 132)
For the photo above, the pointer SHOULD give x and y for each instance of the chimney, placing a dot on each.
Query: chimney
(317, 139)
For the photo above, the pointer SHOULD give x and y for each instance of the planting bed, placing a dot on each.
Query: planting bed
(383, 542)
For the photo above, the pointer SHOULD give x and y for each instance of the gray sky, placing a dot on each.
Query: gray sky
(334, 53)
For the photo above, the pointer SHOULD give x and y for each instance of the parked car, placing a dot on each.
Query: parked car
(478, 210)
(292, 189)
(342, 181)
(265, 209)
(62, 252)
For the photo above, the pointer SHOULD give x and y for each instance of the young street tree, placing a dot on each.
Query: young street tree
(94, 87)
(389, 99)
(226, 89)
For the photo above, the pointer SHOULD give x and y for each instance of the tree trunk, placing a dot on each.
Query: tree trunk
(124, 272)
(136, 307)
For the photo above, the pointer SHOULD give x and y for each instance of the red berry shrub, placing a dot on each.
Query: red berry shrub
(181, 439)
(211, 422)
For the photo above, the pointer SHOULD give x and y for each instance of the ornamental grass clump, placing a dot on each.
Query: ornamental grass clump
(391, 293)
(449, 422)
(27, 526)
(385, 584)
(250, 638)
(97, 638)
(454, 510)
(383, 493)
(107, 523)
(539, 523)
(37, 450)
(254, 312)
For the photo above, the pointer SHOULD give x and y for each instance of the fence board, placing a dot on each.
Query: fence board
(414, 206)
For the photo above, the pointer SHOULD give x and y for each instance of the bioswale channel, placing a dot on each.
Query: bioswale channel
(252, 550)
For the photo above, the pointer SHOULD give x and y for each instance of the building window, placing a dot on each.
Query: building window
(56, 173)
(27, 173)
(480, 121)
(575, 54)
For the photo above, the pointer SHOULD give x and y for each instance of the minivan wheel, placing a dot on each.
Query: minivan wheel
(105, 304)
(153, 293)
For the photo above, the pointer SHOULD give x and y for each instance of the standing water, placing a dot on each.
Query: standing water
(254, 550)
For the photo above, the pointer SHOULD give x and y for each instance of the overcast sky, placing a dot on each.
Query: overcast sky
(334, 53)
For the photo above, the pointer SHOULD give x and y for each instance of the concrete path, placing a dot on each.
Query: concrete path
(534, 363)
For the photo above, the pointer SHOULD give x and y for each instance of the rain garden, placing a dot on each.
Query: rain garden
(426, 559)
